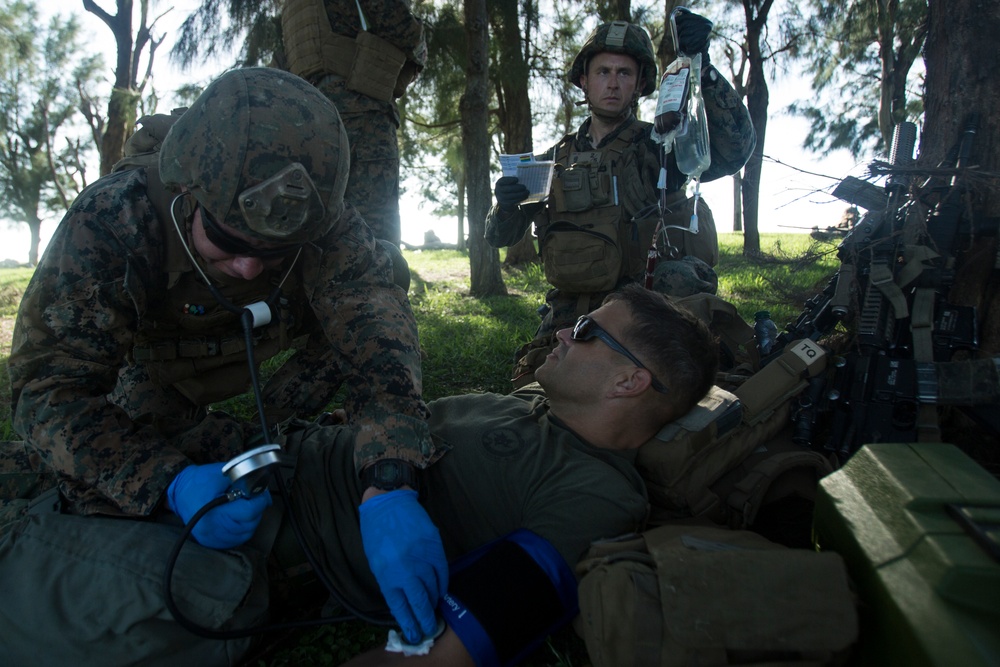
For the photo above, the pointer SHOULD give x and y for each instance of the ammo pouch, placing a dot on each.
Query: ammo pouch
(375, 67)
(689, 465)
(694, 595)
(204, 371)
(369, 64)
(582, 187)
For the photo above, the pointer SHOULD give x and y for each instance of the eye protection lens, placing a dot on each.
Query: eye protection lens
(232, 245)
(587, 329)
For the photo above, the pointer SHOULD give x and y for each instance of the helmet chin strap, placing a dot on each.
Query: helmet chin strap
(254, 308)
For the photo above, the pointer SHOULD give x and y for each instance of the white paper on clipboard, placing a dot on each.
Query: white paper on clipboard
(536, 175)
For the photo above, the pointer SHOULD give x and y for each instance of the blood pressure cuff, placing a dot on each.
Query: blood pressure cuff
(506, 597)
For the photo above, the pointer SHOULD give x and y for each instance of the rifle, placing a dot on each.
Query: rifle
(897, 265)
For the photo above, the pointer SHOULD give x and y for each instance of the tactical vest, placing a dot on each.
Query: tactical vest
(369, 64)
(589, 242)
(188, 340)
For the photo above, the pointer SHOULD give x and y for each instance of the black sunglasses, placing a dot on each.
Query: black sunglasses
(587, 329)
(228, 243)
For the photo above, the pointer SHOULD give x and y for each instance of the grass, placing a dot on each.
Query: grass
(467, 346)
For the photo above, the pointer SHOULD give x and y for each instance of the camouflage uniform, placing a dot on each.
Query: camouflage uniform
(371, 123)
(732, 141)
(120, 348)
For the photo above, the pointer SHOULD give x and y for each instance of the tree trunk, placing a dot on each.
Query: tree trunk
(758, 98)
(514, 108)
(961, 63)
(35, 228)
(461, 245)
(484, 261)
(737, 202)
(121, 107)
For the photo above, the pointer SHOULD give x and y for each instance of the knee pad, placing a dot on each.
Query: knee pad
(506, 597)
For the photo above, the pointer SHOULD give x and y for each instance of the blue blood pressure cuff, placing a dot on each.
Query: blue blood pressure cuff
(507, 596)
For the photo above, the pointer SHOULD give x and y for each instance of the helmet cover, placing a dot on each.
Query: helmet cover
(264, 152)
(618, 37)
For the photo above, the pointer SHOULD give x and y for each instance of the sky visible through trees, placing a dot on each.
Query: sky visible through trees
(791, 200)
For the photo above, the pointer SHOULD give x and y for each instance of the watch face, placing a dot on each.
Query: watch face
(390, 474)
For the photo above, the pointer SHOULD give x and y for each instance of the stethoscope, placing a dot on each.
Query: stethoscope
(250, 473)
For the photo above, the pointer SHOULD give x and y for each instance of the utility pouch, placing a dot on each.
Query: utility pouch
(583, 256)
(571, 190)
(377, 65)
(781, 379)
(581, 187)
(698, 595)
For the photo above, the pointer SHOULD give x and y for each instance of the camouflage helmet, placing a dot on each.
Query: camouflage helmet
(263, 152)
(618, 37)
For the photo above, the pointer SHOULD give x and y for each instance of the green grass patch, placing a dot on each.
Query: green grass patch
(12, 285)
(790, 269)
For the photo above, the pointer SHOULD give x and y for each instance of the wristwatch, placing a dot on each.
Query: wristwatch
(389, 474)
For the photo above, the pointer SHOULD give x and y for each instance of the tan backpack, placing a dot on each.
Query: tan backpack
(723, 460)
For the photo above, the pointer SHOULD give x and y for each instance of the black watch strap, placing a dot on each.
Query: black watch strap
(389, 474)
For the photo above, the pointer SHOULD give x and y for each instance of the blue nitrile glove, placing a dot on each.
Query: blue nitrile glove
(693, 32)
(405, 553)
(224, 527)
(510, 192)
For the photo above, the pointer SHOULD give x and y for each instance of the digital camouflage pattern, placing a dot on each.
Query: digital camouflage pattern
(19, 481)
(371, 124)
(392, 20)
(244, 129)
(89, 410)
(373, 185)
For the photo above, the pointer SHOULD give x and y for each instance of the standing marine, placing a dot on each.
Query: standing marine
(361, 54)
(611, 182)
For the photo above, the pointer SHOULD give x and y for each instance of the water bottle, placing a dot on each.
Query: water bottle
(765, 331)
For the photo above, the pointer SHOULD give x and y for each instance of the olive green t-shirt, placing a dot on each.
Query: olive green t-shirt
(510, 466)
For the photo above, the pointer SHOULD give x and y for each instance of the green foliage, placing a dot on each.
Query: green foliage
(789, 270)
(12, 285)
(42, 77)
(216, 26)
(850, 48)
(467, 345)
